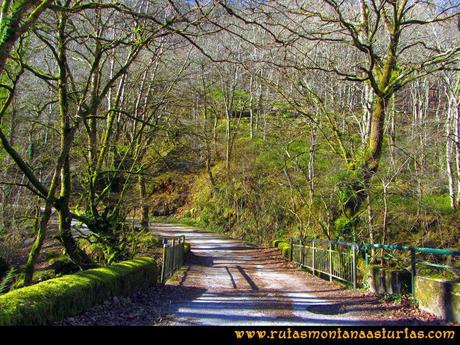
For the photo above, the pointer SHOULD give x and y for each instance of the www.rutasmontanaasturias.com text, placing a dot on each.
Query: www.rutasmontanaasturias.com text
(339, 333)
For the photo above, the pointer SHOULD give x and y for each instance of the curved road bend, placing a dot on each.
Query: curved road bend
(245, 285)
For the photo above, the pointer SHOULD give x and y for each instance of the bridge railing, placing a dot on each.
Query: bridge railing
(335, 259)
(411, 258)
(339, 260)
(173, 256)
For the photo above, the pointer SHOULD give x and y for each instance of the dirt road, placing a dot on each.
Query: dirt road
(239, 284)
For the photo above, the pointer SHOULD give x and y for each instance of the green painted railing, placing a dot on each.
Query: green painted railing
(335, 259)
(368, 248)
(173, 256)
(338, 259)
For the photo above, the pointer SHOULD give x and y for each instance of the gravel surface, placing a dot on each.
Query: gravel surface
(246, 285)
(229, 282)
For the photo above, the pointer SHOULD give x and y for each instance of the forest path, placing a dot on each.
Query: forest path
(235, 283)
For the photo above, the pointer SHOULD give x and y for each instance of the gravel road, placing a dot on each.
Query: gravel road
(245, 285)
(229, 282)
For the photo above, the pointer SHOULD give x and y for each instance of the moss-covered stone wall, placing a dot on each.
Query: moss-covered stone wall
(56, 299)
(439, 297)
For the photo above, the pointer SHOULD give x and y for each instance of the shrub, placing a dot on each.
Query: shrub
(58, 298)
(143, 243)
(9, 246)
(7, 281)
(285, 249)
(276, 243)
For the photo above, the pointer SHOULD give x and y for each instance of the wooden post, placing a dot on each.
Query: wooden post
(330, 261)
(291, 248)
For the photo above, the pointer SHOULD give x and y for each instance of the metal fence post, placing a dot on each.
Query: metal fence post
(291, 248)
(182, 250)
(330, 261)
(173, 252)
(313, 263)
(354, 271)
(413, 270)
(302, 254)
(163, 265)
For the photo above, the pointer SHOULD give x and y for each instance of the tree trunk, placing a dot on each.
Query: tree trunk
(311, 173)
(251, 108)
(16, 18)
(368, 95)
(449, 152)
(227, 141)
(144, 204)
(375, 138)
(385, 212)
(65, 221)
(366, 170)
(392, 130)
(457, 146)
(66, 133)
(370, 218)
(41, 227)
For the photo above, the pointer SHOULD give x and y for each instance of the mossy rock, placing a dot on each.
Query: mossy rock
(56, 299)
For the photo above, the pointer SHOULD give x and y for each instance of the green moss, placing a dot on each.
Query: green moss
(440, 203)
(275, 243)
(40, 276)
(285, 249)
(148, 239)
(438, 297)
(50, 255)
(58, 298)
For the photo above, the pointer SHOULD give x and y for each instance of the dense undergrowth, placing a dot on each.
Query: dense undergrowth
(267, 195)
(54, 263)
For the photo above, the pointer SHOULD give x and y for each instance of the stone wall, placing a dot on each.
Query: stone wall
(388, 281)
(439, 297)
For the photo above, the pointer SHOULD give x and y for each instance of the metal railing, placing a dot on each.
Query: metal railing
(334, 259)
(338, 260)
(173, 256)
(409, 258)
